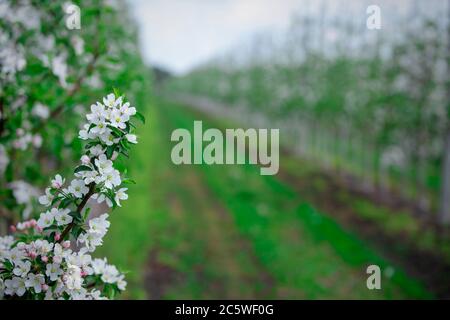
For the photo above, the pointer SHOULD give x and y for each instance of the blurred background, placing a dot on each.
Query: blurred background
(361, 95)
(364, 129)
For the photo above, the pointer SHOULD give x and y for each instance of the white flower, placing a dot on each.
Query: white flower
(91, 240)
(131, 138)
(45, 220)
(35, 281)
(98, 265)
(127, 110)
(108, 138)
(47, 198)
(42, 247)
(101, 197)
(22, 268)
(112, 179)
(98, 113)
(110, 100)
(15, 285)
(53, 271)
(78, 188)
(62, 217)
(85, 134)
(100, 224)
(103, 164)
(72, 278)
(120, 195)
(15, 255)
(121, 283)
(40, 111)
(110, 274)
(23, 192)
(78, 44)
(100, 127)
(88, 176)
(97, 150)
(85, 160)
(118, 119)
(96, 295)
(59, 68)
(58, 182)
(37, 141)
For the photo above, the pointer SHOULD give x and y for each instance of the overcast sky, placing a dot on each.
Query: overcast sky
(179, 34)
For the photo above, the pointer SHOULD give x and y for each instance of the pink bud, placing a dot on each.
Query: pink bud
(85, 159)
(44, 287)
(57, 259)
(44, 259)
(13, 228)
(66, 244)
(27, 224)
(114, 155)
(32, 254)
(33, 223)
(57, 236)
(83, 273)
(39, 229)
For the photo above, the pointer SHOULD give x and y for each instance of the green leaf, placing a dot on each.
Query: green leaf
(76, 217)
(128, 181)
(82, 168)
(110, 151)
(124, 144)
(116, 131)
(140, 117)
(86, 213)
(65, 202)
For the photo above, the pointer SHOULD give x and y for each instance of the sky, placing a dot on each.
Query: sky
(181, 34)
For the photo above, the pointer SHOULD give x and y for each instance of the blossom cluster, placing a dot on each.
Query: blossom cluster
(49, 257)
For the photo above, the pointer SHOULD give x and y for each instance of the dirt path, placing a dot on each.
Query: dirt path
(423, 264)
(210, 258)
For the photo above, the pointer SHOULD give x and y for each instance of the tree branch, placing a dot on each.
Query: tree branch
(56, 112)
(79, 209)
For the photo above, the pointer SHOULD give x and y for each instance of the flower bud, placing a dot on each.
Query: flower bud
(44, 259)
(33, 223)
(13, 228)
(32, 254)
(85, 159)
(66, 244)
(44, 287)
(57, 236)
(57, 259)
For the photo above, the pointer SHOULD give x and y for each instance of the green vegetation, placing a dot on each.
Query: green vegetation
(227, 232)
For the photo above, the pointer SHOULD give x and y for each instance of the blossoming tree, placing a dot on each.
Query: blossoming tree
(48, 76)
(49, 258)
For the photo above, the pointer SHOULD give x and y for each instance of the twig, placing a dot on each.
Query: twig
(79, 209)
(56, 112)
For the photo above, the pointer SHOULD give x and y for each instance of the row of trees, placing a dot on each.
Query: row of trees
(54, 68)
(370, 103)
(50, 74)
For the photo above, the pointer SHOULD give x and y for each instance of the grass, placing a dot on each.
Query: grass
(226, 232)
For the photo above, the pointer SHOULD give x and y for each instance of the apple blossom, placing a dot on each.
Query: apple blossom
(42, 264)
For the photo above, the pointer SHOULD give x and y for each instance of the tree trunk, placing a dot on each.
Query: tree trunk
(444, 211)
